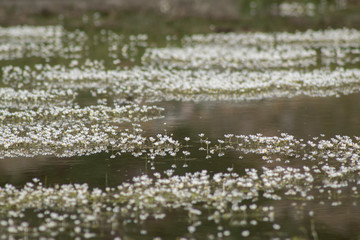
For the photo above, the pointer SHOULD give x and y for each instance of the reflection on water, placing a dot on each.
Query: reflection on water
(303, 117)
(329, 222)
(132, 156)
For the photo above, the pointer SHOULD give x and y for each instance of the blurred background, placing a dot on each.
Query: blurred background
(226, 15)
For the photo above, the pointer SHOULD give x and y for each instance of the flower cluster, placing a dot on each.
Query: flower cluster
(296, 9)
(259, 51)
(342, 37)
(64, 131)
(318, 171)
(40, 41)
(25, 99)
(324, 162)
(42, 114)
(157, 84)
(77, 211)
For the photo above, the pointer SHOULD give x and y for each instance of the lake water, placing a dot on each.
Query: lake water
(303, 117)
(204, 137)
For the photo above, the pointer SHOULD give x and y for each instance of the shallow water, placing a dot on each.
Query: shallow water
(303, 117)
(300, 133)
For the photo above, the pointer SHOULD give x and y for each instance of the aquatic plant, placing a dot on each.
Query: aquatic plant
(40, 41)
(224, 57)
(259, 51)
(71, 131)
(159, 84)
(248, 57)
(296, 9)
(42, 114)
(327, 169)
(342, 37)
(27, 99)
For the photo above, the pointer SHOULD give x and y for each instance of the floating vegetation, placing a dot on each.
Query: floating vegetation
(341, 149)
(212, 67)
(25, 99)
(159, 84)
(246, 66)
(32, 32)
(331, 37)
(296, 9)
(74, 131)
(259, 51)
(210, 85)
(320, 171)
(217, 56)
(120, 46)
(251, 58)
(308, 9)
(77, 211)
(91, 75)
(43, 113)
(40, 41)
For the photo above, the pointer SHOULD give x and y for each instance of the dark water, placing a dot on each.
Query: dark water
(304, 117)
